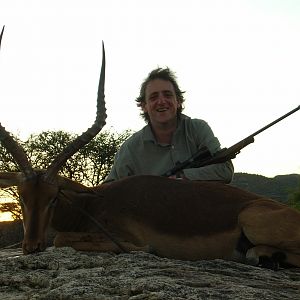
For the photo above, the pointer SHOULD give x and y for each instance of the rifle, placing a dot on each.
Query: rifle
(203, 156)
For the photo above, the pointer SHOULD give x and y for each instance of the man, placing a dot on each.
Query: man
(169, 137)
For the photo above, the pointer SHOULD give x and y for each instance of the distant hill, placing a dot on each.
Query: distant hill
(277, 188)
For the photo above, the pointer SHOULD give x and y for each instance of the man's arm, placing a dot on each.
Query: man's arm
(121, 167)
(219, 172)
(204, 137)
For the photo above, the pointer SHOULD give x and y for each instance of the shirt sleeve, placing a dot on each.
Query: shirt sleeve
(122, 165)
(204, 136)
(219, 172)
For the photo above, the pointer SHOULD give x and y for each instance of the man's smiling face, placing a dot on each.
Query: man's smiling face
(160, 102)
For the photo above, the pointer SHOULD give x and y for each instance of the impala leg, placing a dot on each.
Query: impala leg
(274, 229)
(271, 257)
(84, 241)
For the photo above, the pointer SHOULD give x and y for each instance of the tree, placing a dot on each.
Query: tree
(90, 165)
(7, 163)
(294, 199)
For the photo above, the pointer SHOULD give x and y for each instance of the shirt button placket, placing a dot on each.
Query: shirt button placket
(173, 154)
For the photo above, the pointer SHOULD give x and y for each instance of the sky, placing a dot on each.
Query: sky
(238, 62)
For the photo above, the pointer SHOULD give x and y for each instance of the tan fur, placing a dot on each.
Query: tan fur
(266, 222)
(195, 247)
(176, 219)
(83, 241)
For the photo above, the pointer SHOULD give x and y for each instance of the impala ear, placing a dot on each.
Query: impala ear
(8, 179)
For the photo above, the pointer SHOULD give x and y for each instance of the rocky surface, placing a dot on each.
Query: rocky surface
(67, 274)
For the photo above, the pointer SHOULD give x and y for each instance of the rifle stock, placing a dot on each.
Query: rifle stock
(201, 155)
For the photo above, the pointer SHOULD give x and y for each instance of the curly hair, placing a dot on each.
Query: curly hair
(164, 74)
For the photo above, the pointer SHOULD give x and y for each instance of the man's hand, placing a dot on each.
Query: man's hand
(179, 175)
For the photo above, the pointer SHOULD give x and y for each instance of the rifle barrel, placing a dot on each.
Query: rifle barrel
(276, 121)
(1, 35)
(200, 159)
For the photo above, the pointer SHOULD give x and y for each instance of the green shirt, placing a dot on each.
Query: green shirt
(142, 155)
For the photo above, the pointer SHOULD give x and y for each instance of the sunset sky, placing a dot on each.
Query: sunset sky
(238, 61)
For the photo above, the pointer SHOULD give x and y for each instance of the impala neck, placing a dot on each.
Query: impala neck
(68, 214)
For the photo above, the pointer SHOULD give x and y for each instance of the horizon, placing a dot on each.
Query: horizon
(4, 217)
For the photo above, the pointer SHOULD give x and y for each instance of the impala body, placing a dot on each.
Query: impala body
(170, 218)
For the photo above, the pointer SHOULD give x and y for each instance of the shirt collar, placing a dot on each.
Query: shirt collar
(149, 136)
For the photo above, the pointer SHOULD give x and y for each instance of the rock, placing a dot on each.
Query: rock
(63, 273)
(11, 232)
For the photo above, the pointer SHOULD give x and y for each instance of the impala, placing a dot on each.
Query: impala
(178, 219)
